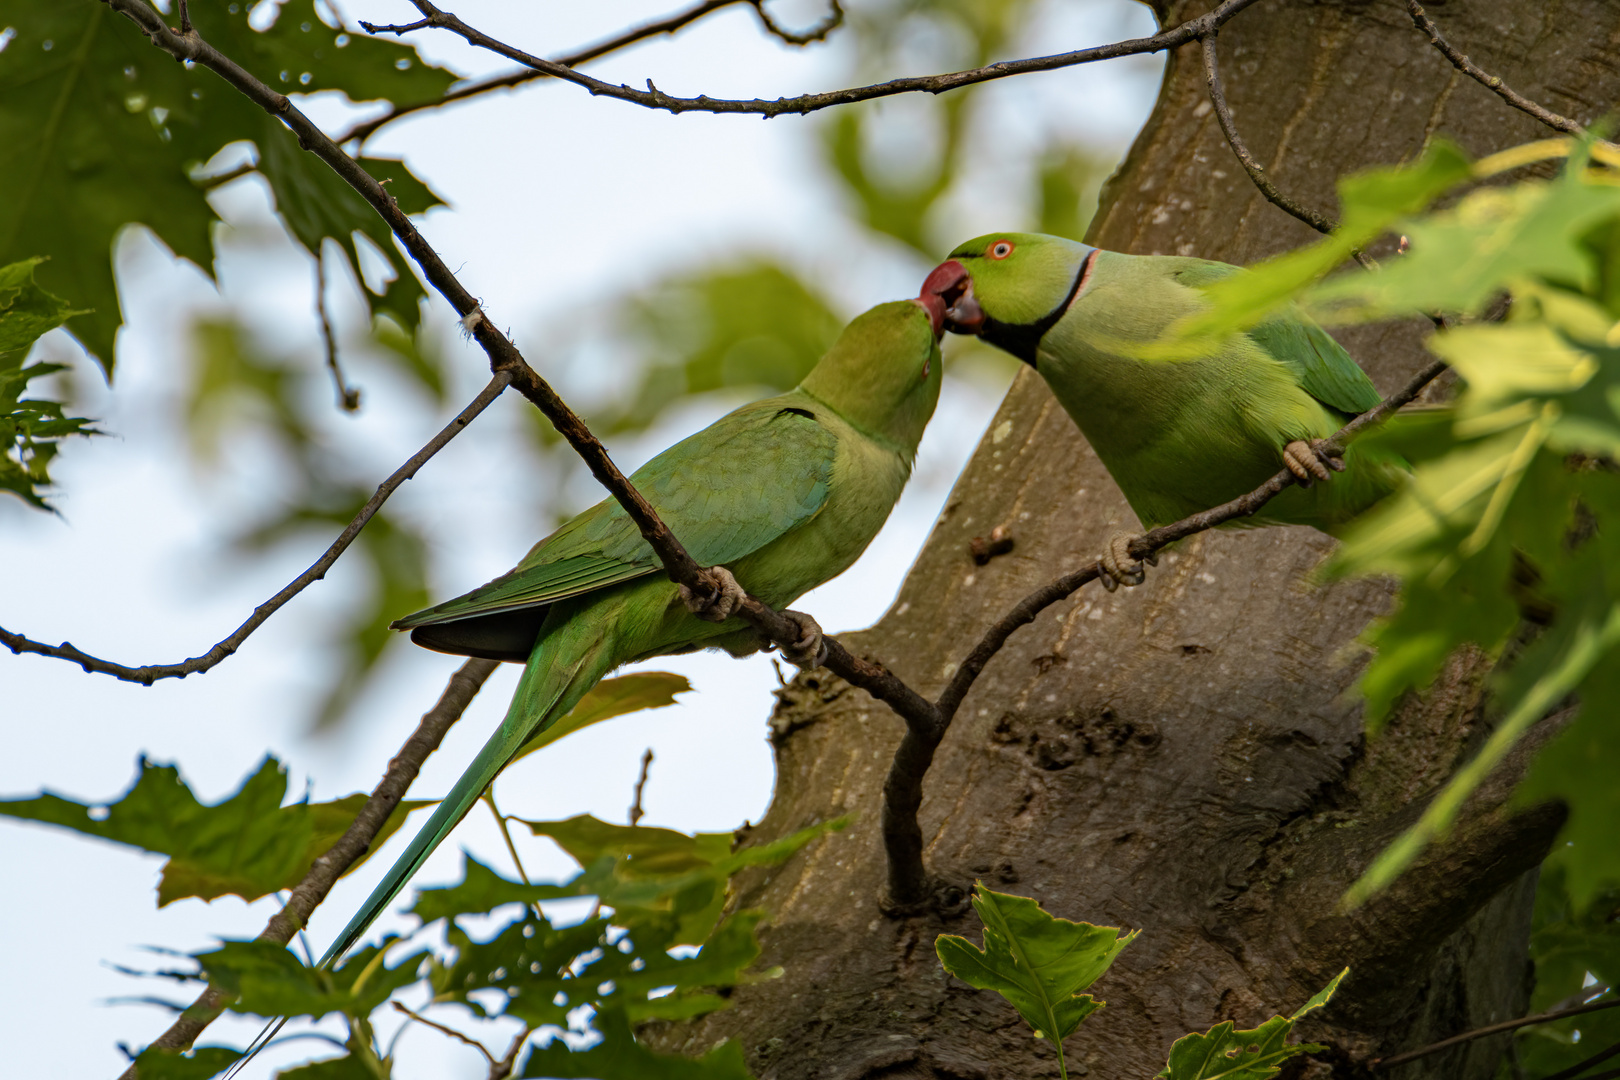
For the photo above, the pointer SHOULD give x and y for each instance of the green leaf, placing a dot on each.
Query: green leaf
(1223, 1053)
(247, 845)
(1579, 769)
(1037, 961)
(201, 1063)
(272, 981)
(318, 205)
(620, 1057)
(1370, 203)
(544, 971)
(102, 130)
(609, 698)
(347, 1067)
(480, 890)
(643, 872)
(31, 429)
(1463, 257)
(1549, 670)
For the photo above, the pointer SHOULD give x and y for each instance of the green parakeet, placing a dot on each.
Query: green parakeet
(1178, 436)
(784, 493)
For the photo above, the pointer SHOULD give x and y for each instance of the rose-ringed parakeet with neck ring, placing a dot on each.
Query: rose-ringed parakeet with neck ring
(778, 497)
(1177, 435)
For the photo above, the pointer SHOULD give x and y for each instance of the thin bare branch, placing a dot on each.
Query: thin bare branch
(1223, 113)
(450, 1031)
(818, 32)
(653, 98)
(636, 812)
(505, 361)
(1492, 1029)
(348, 396)
(670, 25)
(1493, 83)
(354, 842)
(151, 673)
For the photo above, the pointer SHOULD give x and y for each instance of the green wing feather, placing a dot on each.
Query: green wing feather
(1320, 364)
(706, 488)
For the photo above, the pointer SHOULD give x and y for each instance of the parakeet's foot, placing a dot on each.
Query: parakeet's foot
(1307, 462)
(720, 606)
(1119, 568)
(810, 651)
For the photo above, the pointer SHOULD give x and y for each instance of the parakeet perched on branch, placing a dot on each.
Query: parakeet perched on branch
(1178, 435)
(778, 496)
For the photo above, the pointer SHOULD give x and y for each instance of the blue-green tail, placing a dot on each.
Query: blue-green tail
(525, 718)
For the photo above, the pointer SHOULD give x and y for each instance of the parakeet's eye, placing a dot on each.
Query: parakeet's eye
(1000, 249)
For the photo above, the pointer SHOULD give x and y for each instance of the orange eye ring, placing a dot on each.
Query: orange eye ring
(1000, 249)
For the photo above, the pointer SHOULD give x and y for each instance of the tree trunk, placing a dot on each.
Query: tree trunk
(1184, 757)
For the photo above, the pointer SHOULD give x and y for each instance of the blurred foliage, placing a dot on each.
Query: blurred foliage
(657, 945)
(1576, 950)
(31, 429)
(1507, 537)
(753, 325)
(246, 845)
(103, 131)
(238, 396)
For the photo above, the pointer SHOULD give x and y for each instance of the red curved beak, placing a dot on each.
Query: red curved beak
(951, 287)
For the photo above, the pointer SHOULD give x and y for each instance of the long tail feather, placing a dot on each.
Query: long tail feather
(514, 731)
(543, 696)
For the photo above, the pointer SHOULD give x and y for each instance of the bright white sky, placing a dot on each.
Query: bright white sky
(559, 202)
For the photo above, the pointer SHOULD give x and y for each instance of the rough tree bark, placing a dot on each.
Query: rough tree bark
(1181, 757)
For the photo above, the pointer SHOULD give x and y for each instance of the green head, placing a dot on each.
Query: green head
(883, 373)
(1011, 288)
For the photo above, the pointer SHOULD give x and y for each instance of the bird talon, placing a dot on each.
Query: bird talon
(722, 604)
(1119, 567)
(810, 651)
(1306, 461)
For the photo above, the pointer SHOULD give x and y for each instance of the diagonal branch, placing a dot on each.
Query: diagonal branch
(354, 842)
(505, 360)
(1493, 83)
(653, 98)
(909, 884)
(1496, 1029)
(669, 25)
(151, 673)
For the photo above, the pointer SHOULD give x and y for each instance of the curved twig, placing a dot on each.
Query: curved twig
(1493, 83)
(1223, 113)
(833, 20)
(673, 23)
(354, 842)
(151, 673)
(653, 98)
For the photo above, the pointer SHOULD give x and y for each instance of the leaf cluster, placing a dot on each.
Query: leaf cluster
(247, 844)
(1506, 538)
(104, 132)
(656, 946)
(31, 429)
